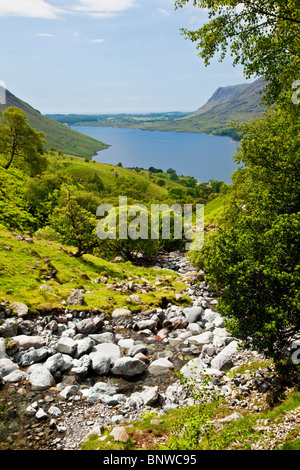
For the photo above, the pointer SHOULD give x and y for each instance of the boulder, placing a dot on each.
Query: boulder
(89, 325)
(83, 346)
(111, 350)
(9, 328)
(203, 338)
(16, 376)
(136, 349)
(24, 342)
(100, 364)
(40, 377)
(128, 367)
(33, 356)
(122, 315)
(76, 298)
(160, 366)
(106, 337)
(66, 345)
(58, 362)
(20, 308)
(193, 314)
(7, 366)
(223, 360)
(119, 434)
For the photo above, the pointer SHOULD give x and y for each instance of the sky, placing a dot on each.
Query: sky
(106, 56)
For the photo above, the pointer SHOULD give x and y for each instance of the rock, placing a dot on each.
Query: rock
(66, 345)
(15, 376)
(111, 350)
(100, 364)
(54, 411)
(192, 314)
(41, 414)
(106, 337)
(149, 395)
(7, 366)
(58, 362)
(126, 344)
(20, 308)
(26, 327)
(128, 367)
(69, 391)
(24, 342)
(83, 346)
(162, 334)
(76, 298)
(33, 356)
(40, 377)
(223, 360)
(135, 299)
(193, 368)
(136, 349)
(9, 328)
(80, 367)
(119, 434)
(203, 338)
(2, 349)
(146, 324)
(160, 366)
(122, 315)
(89, 325)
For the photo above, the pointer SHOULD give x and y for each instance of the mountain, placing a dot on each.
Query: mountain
(232, 103)
(61, 137)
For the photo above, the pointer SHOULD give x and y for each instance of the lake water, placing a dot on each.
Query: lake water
(202, 156)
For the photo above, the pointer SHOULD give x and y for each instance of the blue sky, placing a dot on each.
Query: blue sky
(106, 56)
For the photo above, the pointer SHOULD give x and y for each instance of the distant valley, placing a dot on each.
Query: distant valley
(232, 103)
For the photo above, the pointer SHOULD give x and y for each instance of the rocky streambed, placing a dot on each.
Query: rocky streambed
(65, 375)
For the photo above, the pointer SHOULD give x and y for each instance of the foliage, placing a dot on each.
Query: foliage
(20, 141)
(253, 258)
(255, 32)
(76, 225)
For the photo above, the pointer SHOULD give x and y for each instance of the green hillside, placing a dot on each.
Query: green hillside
(232, 103)
(61, 137)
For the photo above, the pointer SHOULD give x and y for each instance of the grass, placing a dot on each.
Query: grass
(24, 268)
(179, 429)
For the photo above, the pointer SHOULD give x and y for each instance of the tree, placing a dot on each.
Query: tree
(18, 139)
(262, 35)
(253, 258)
(76, 225)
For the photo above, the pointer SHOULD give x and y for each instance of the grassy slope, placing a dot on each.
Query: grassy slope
(57, 135)
(24, 266)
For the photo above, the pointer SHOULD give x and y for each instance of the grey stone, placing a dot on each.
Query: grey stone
(83, 346)
(69, 391)
(111, 350)
(192, 314)
(66, 345)
(9, 328)
(33, 356)
(25, 342)
(58, 361)
(7, 366)
(122, 315)
(40, 377)
(203, 338)
(106, 337)
(16, 376)
(160, 366)
(100, 364)
(128, 367)
(89, 325)
(223, 360)
(136, 349)
(76, 298)
(20, 308)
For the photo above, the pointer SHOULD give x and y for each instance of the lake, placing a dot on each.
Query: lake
(202, 156)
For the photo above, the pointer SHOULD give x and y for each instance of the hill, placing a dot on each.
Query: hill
(227, 104)
(61, 137)
(232, 103)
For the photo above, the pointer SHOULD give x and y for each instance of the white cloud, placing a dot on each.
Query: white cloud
(99, 40)
(29, 9)
(103, 8)
(46, 35)
(163, 11)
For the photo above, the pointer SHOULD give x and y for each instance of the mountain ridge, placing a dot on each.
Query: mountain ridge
(62, 138)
